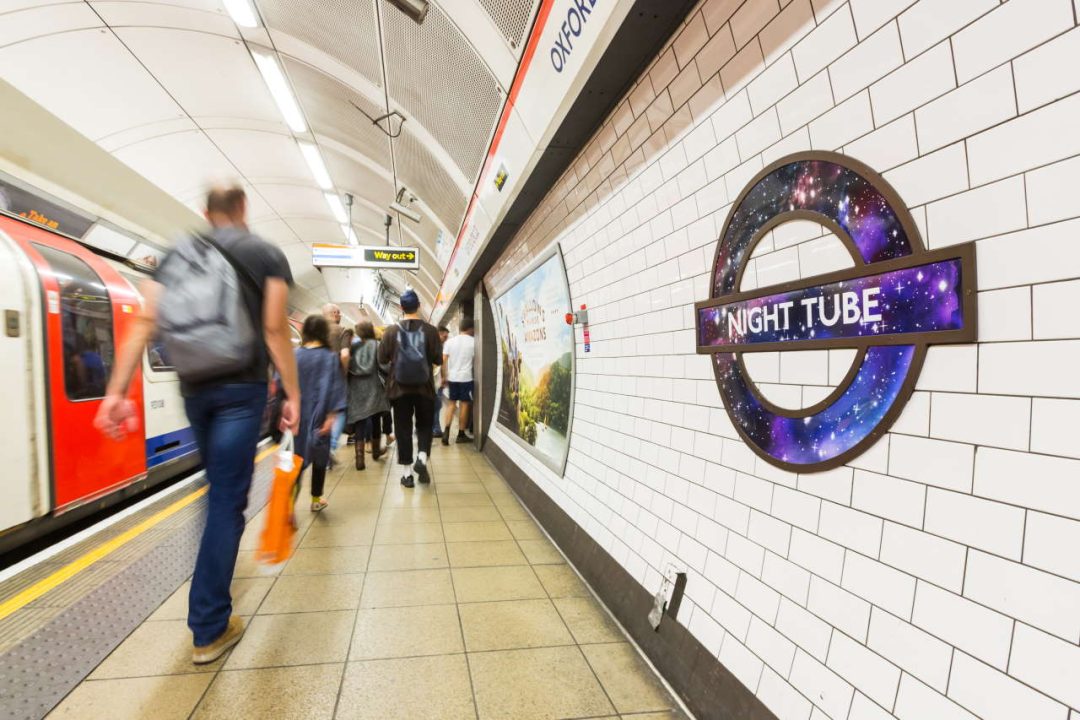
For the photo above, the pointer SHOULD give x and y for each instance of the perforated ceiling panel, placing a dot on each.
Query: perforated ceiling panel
(436, 76)
(343, 29)
(511, 17)
(419, 170)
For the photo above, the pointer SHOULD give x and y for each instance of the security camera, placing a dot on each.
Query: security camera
(407, 212)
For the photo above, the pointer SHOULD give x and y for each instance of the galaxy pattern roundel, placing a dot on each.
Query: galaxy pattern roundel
(896, 301)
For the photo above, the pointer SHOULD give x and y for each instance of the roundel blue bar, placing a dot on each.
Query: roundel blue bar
(890, 307)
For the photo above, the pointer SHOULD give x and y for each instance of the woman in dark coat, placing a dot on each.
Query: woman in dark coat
(322, 397)
(367, 397)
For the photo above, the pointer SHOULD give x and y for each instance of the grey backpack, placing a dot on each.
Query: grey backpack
(204, 322)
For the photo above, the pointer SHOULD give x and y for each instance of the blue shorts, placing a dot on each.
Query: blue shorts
(461, 391)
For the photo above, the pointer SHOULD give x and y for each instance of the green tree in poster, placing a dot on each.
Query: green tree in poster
(557, 410)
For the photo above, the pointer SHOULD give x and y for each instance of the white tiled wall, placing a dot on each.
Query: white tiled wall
(937, 576)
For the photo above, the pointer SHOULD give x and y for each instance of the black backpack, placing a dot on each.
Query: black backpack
(411, 366)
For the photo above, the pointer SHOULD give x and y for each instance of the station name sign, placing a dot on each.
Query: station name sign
(359, 256)
(577, 17)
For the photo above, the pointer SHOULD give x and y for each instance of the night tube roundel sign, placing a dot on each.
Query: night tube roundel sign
(897, 300)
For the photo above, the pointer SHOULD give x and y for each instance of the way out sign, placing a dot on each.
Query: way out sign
(360, 256)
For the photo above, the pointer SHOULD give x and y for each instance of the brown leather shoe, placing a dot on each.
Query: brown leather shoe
(376, 447)
(203, 654)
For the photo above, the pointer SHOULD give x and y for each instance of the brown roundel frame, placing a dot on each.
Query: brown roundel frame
(921, 341)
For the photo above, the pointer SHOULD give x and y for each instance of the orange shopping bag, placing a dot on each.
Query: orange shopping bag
(275, 546)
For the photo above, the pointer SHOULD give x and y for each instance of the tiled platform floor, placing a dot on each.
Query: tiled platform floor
(442, 602)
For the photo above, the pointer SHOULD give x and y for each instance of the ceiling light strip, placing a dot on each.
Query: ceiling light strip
(242, 12)
(315, 163)
(279, 89)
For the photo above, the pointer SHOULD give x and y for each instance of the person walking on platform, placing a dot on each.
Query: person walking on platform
(322, 393)
(220, 303)
(436, 428)
(340, 339)
(411, 349)
(457, 373)
(367, 396)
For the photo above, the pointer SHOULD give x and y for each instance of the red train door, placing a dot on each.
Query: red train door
(87, 311)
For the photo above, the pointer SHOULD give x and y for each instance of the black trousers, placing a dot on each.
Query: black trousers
(318, 481)
(406, 409)
(387, 421)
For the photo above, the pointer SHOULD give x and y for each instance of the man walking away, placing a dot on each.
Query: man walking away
(436, 429)
(221, 348)
(340, 339)
(458, 354)
(411, 348)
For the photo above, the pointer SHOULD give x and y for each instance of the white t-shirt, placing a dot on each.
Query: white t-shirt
(459, 351)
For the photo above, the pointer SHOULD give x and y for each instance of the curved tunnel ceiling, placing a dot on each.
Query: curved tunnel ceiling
(171, 88)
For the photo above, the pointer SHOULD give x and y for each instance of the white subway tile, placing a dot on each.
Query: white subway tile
(769, 532)
(916, 701)
(867, 62)
(1043, 368)
(779, 696)
(807, 630)
(708, 632)
(733, 616)
(819, 556)
(1039, 78)
(977, 105)
(753, 491)
(930, 21)
(1040, 137)
(798, 508)
(721, 572)
(888, 146)
(805, 103)
(1039, 482)
(832, 484)
(1054, 314)
(889, 497)
(851, 528)
(747, 555)
(830, 692)
(915, 418)
(1048, 253)
(870, 673)
(1047, 664)
(731, 116)
(1005, 315)
(1006, 32)
(924, 555)
(976, 630)
(934, 462)
(862, 708)
(1051, 543)
(823, 255)
(841, 609)
(758, 134)
(871, 14)
(742, 663)
(981, 419)
(776, 82)
(882, 585)
(758, 597)
(847, 121)
(931, 176)
(828, 41)
(1046, 601)
(1053, 427)
(777, 651)
(992, 695)
(804, 367)
(916, 83)
(785, 577)
(983, 212)
(919, 654)
(1049, 190)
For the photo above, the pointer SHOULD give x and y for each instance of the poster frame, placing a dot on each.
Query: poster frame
(555, 250)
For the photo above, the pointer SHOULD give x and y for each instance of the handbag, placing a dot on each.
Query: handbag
(276, 542)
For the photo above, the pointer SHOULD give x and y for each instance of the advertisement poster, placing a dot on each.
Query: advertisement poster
(537, 351)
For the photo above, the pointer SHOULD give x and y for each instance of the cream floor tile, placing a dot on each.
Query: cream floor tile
(162, 698)
(298, 639)
(474, 531)
(335, 535)
(398, 497)
(496, 583)
(536, 684)
(511, 512)
(247, 593)
(328, 561)
(155, 648)
(525, 530)
(485, 554)
(512, 624)
(588, 621)
(539, 552)
(456, 488)
(407, 689)
(403, 533)
(313, 593)
(482, 513)
(662, 715)
(465, 500)
(407, 588)
(629, 682)
(345, 512)
(411, 556)
(561, 581)
(410, 515)
(248, 566)
(308, 692)
(406, 632)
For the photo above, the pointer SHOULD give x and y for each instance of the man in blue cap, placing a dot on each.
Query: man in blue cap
(411, 349)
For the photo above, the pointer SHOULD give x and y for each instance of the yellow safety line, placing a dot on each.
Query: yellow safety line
(101, 551)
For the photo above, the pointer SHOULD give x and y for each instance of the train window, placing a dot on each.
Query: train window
(155, 349)
(86, 325)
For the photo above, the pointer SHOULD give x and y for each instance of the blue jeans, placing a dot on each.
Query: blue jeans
(338, 429)
(225, 420)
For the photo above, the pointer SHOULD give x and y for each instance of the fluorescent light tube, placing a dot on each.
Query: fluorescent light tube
(242, 12)
(336, 207)
(280, 90)
(350, 235)
(316, 164)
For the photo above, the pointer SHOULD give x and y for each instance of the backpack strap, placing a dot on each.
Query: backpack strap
(242, 272)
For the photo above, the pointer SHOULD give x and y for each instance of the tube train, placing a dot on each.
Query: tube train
(65, 310)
